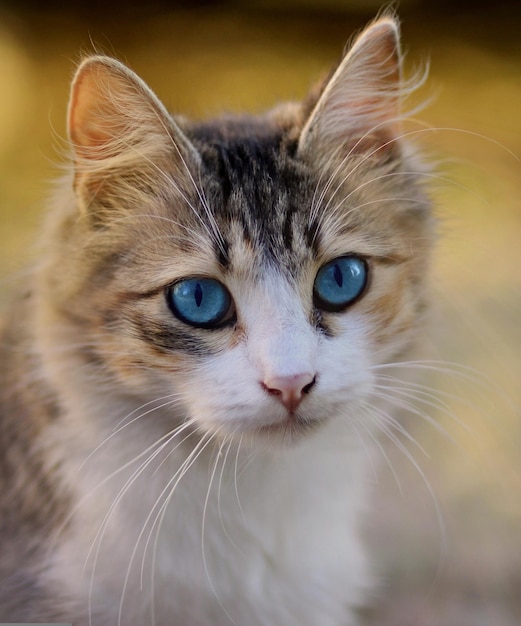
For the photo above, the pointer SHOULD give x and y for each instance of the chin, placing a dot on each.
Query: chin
(286, 432)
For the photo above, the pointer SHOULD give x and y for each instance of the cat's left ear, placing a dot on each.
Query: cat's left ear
(359, 108)
(121, 132)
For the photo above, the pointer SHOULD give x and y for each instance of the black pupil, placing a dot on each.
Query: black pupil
(198, 294)
(337, 274)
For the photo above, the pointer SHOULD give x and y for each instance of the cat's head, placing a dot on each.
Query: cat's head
(250, 271)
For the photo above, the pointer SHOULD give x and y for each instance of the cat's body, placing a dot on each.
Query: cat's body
(195, 465)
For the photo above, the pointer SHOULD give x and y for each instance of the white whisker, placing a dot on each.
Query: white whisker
(235, 477)
(361, 424)
(203, 532)
(219, 491)
(192, 457)
(127, 422)
(98, 539)
(169, 488)
(409, 457)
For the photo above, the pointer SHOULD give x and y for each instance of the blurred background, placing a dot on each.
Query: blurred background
(447, 529)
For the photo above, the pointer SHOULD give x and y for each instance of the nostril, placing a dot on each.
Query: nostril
(307, 388)
(271, 391)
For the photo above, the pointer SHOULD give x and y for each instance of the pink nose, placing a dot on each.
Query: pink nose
(290, 389)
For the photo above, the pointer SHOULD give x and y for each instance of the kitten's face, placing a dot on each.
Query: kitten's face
(250, 272)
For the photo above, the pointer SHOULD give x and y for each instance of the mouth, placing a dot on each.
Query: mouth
(293, 426)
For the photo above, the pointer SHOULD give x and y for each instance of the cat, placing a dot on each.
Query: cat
(189, 376)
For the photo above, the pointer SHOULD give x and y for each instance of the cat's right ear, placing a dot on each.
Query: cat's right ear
(120, 132)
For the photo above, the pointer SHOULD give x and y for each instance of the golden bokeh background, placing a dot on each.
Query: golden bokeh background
(447, 529)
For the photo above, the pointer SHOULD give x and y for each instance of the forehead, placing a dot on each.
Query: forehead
(258, 192)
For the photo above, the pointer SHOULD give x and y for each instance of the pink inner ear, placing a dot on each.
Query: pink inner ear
(82, 131)
(95, 115)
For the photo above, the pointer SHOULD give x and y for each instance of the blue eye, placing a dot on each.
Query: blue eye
(201, 302)
(339, 283)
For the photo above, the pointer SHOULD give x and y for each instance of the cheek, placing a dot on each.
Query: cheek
(345, 361)
(391, 313)
(222, 389)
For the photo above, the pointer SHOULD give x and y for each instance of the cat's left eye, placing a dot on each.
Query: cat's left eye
(200, 302)
(339, 283)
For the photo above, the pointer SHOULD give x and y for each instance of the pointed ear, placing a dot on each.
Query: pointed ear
(358, 110)
(118, 128)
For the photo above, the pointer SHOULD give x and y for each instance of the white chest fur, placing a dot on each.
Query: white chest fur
(255, 538)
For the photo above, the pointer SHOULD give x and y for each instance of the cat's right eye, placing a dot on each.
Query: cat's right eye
(200, 302)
